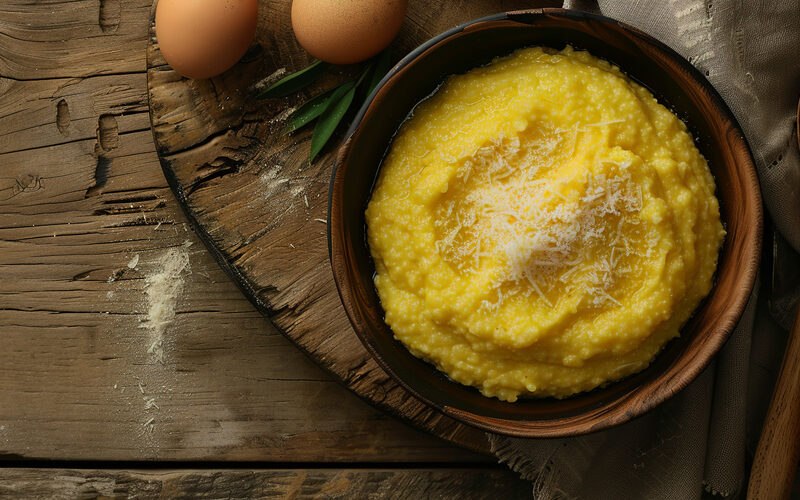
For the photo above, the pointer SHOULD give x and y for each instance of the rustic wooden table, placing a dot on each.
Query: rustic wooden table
(236, 409)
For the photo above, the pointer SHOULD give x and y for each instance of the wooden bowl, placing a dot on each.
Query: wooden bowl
(676, 84)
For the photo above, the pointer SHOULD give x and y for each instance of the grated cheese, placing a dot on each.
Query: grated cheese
(542, 220)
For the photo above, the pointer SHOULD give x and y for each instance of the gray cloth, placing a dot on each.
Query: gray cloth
(749, 52)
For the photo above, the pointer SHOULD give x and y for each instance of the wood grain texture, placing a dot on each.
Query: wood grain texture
(261, 207)
(419, 484)
(778, 451)
(81, 194)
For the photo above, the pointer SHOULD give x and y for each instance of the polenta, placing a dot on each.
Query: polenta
(542, 226)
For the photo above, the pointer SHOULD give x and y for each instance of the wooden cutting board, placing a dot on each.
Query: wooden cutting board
(260, 207)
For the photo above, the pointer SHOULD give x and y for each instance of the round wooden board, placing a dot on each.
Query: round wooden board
(259, 205)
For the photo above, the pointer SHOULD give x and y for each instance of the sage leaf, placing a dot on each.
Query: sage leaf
(314, 107)
(367, 71)
(332, 116)
(330, 119)
(295, 81)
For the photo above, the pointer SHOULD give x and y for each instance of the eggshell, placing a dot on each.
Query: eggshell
(346, 31)
(203, 38)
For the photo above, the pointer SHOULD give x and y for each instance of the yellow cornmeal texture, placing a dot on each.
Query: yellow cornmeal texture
(542, 226)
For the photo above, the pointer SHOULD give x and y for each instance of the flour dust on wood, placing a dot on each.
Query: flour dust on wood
(164, 285)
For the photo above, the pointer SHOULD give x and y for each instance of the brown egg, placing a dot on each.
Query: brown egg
(203, 38)
(346, 31)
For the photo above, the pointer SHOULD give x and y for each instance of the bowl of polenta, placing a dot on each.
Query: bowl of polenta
(544, 223)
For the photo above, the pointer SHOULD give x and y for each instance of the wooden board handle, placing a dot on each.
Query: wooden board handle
(778, 449)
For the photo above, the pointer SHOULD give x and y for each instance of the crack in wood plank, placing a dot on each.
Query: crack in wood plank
(100, 176)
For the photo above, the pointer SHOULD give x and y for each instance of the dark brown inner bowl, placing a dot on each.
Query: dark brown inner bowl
(677, 85)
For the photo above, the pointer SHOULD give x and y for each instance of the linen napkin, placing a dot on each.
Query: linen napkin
(748, 49)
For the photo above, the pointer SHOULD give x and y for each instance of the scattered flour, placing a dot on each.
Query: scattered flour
(274, 77)
(164, 285)
(134, 262)
(149, 424)
(145, 389)
(283, 115)
(274, 183)
(271, 181)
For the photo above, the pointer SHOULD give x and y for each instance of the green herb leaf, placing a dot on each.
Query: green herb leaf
(295, 81)
(382, 62)
(364, 73)
(330, 119)
(311, 109)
